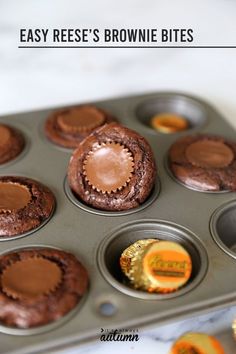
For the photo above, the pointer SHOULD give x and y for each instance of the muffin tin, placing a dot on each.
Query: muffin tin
(203, 222)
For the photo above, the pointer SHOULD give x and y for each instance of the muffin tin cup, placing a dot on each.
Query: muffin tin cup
(152, 197)
(115, 243)
(170, 173)
(25, 150)
(223, 227)
(30, 232)
(187, 107)
(47, 327)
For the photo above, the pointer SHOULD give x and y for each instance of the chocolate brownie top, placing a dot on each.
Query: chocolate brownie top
(204, 162)
(11, 143)
(24, 205)
(68, 127)
(112, 169)
(38, 286)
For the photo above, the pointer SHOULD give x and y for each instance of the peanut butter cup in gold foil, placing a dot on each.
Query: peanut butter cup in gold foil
(108, 167)
(68, 127)
(129, 255)
(168, 123)
(197, 343)
(161, 267)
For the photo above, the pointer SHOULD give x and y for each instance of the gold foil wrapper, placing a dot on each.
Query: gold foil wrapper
(130, 254)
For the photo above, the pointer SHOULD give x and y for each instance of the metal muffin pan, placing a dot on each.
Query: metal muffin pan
(177, 213)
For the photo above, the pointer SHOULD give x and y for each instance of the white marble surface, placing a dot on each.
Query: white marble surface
(32, 79)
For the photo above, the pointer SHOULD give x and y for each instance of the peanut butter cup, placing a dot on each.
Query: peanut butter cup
(204, 162)
(112, 169)
(24, 205)
(156, 266)
(13, 197)
(38, 286)
(30, 278)
(108, 167)
(169, 123)
(11, 143)
(67, 127)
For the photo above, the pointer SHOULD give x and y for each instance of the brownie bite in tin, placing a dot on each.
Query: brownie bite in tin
(204, 162)
(112, 169)
(68, 127)
(24, 205)
(39, 286)
(11, 143)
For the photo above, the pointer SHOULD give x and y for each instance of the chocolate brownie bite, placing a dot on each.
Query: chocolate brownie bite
(39, 286)
(112, 169)
(24, 205)
(68, 127)
(204, 162)
(11, 143)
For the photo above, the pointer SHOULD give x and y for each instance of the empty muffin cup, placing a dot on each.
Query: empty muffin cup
(222, 226)
(40, 288)
(113, 245)
(171, 113)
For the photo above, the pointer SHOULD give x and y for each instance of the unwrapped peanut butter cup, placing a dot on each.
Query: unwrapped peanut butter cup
(11, 143)
(112, 169)
(108, 167)
(13, 196)
(209, 154)
(79, 120)
(31, 278)
(68, 127)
